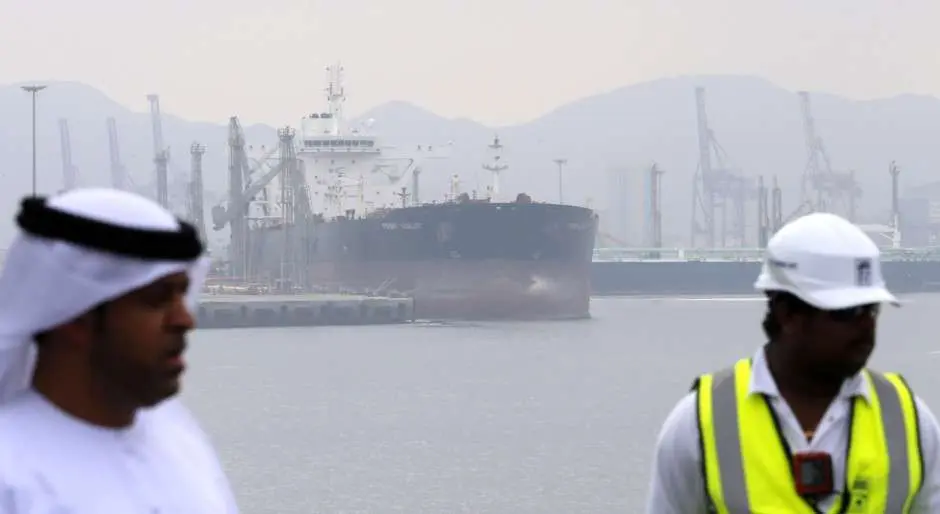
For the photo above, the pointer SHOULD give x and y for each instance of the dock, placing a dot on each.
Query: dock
(301, 310)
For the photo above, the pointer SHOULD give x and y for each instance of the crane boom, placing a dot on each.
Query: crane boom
(160, 152)
(118, 174)
(69, 173)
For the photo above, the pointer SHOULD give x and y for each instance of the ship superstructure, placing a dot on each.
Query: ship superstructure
(343, 170)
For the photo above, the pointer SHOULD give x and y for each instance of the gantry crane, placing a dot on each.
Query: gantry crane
(119, 178)
(196, 190)
(823, 189)
(241, 192)
(69, 171)
(161, 153)
(716, 188)
(769, 211)
(654, 213)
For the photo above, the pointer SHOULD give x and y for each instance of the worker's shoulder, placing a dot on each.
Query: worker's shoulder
(688, 404)
(902, 381)
(682, 421)
(884, 373)
(925, 416)
(716, 374)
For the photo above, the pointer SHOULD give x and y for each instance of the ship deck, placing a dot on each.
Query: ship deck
(280, 298)
(298, 310)
(680, 255)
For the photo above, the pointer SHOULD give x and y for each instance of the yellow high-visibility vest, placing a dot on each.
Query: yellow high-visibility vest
(747, 465)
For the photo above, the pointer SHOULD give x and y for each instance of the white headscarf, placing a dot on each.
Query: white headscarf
(46, 283)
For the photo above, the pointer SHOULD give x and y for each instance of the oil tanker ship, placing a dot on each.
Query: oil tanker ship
(340, 212)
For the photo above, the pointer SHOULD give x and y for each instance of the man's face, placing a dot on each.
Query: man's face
(837, 344)
(142, 338)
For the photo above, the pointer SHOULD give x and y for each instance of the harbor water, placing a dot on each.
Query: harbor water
(514, 418)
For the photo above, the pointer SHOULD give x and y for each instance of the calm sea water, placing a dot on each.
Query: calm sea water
(555, 417)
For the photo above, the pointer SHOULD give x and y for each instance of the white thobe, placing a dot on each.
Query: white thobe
(51, 462)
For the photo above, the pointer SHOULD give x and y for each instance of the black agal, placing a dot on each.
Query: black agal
(38, 219)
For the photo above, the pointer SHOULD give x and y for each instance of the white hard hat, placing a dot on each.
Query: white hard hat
(826, 261)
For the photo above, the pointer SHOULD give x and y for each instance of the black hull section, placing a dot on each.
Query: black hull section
(705, 278)
(470, 261)
(472, 290)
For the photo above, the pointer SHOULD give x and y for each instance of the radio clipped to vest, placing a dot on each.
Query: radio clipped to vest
(812, 473)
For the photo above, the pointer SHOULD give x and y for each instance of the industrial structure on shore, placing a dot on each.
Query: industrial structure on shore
(724, 257)
(329, 208)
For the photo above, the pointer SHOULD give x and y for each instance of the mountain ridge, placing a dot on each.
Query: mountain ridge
(757, 122)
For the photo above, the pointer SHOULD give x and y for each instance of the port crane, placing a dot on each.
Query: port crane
(822, 188)
(161, 154)
(716, 188)
(242, 192)
(119, 177)
(69, 171)
(769, 211)
(196, 190)
(654, 207)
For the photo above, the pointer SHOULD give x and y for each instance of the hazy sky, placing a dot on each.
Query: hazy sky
(496, 61)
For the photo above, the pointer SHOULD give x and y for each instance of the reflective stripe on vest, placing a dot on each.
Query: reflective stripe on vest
(739, 433)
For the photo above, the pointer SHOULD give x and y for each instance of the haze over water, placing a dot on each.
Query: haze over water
(480, 418)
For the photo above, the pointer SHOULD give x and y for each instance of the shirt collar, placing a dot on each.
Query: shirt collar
(762, 382)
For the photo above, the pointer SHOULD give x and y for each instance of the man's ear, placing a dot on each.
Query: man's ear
(787, 317)
(80, 331)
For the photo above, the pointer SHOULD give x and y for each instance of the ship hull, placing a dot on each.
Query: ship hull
(497, 289)
(723, 278)
(470, 261)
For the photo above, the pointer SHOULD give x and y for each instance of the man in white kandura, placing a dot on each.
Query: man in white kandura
(96, 295)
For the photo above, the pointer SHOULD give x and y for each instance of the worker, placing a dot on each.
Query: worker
(803, 426)
(96, 294)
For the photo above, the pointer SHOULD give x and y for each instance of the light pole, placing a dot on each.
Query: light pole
(33, 90)
(561, 166)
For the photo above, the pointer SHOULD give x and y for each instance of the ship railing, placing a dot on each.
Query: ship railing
(737, 254)
(911, 254)
(236, 289)
(677, 254)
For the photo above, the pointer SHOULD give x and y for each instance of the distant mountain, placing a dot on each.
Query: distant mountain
(757, 123)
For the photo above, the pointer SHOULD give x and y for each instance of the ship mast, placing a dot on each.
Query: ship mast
(495, 168)
(347, 171)
(336, 97)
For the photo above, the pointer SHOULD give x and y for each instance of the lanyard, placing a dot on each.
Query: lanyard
(846, 494)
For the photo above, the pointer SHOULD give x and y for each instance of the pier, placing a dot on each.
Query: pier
(301, 310)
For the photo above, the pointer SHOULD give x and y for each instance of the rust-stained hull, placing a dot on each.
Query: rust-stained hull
(469, 290)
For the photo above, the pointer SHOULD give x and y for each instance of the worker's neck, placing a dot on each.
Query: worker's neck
(82, 395)
(794, 381)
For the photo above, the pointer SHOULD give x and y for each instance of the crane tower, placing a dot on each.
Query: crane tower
(118, 173)
(196, 190)
(720, 194)
(654, 211)
(161, 154)
(69, 171)
(822, 188)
